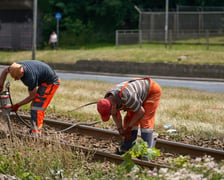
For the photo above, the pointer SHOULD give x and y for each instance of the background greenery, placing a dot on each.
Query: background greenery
(196, 54)
(89, 21)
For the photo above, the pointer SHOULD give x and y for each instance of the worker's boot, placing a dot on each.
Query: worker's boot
(147, 136)
(34, 133)
(130, 143)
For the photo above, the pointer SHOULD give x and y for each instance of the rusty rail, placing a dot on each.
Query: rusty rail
(96, 155)
(163, 145)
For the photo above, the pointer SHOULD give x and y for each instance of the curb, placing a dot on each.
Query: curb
(151, 69)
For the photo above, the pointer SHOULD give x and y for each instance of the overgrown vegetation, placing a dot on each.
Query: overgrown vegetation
(33, 160)
(139, 150)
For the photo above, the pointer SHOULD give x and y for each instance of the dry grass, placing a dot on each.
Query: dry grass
(196, 111)
(147, 53)
(186, 109)
(31, 158)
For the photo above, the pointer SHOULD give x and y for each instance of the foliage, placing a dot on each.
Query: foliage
(180, 161)
(29, 176)
(99, 19)
(139, 150)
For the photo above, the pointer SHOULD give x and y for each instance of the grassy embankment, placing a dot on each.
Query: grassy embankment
(148, 53)
(200, 113)
(181, 107)
(189, 111)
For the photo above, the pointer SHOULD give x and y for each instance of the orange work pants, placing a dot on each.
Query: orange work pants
(43, 98)
(150, 105)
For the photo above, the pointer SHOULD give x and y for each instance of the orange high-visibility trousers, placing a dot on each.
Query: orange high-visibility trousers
(150, 105)
(43, 98)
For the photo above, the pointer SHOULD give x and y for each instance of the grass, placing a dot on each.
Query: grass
(197, 54)
(32, 160)
(196, 111)
(187, 110)
(29, 160)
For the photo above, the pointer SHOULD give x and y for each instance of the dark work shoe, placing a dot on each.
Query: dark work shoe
(119, 151)
(143, 158)
(31, 133)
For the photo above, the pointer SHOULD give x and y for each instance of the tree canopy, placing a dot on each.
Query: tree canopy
(92, 21)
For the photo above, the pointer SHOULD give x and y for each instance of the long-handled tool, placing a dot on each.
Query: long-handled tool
(5, 106)
(10, 99)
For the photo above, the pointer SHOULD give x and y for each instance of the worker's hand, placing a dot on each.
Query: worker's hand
(1, 89)
(120, 130)
(127, 133)
(15, 107)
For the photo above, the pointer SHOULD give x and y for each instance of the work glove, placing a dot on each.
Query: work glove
(127, 133)
(15, 107)
(120, 130)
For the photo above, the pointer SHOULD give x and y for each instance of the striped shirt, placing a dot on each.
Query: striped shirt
(132, 96)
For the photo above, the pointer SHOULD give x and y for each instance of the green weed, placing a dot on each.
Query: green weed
(139, 150)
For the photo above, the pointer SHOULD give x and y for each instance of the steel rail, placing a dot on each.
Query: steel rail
(96, 154)
(163, 145)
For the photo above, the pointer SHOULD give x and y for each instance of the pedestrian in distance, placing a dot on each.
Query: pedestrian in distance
(42, 83)
(140, 99)
(53, 40)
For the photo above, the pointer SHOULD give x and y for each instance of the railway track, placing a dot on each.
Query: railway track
(96, 154)
(163, 145)
(93, 152)
(84, 129)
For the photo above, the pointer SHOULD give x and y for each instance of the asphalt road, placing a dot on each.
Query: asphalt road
(198, 84)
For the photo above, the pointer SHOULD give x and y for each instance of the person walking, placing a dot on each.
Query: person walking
(140, 99)
(53, 40)
(42, 83)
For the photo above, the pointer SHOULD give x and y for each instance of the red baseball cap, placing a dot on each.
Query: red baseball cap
(104, 107)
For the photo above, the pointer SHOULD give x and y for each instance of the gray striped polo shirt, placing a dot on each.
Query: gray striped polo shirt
(132, 96)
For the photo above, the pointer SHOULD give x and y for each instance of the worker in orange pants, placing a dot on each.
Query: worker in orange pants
(140, 99)
(43, 98)
(42, 83)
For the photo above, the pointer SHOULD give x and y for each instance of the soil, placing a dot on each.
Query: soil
(211, 142)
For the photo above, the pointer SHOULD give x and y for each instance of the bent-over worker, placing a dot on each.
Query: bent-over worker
(42, 83)
(140, 99)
